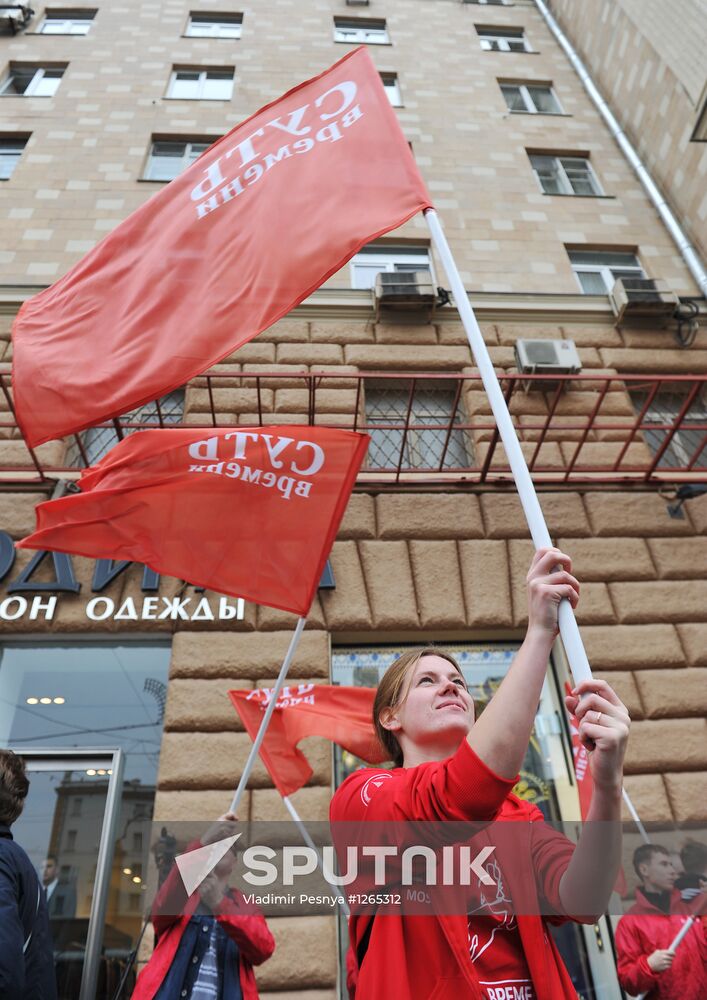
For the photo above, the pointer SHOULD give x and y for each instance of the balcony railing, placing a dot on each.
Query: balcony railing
(594, 431)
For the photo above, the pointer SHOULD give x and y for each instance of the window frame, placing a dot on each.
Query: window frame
(564, 178)
(37, 77)
(391, 85)
(496, 34)
(386, 260)
(606, 270)
(186, 159)
(424, 436)
(530, 107)
(67, 15)
(218, 20)
(363, 29)
(663, 411)
(8, 158)
(203, 75)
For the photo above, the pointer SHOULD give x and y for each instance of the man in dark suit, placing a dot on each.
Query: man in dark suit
(26, 954)
(61, 895)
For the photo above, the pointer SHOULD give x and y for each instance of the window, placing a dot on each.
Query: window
(218, 25)
(201, 84)
(76, 806)
(369, 262)
(565, 175)
(32, 81)
(359, 29)
(67, 22)
(10, 153)
(425, 409)
(71, 840)
(489, 3)
(503, 40)
(392, 88)
(167, 158)
(598, 270)
(688, 445)
(97, 441)
(137, 842)
(531, 98)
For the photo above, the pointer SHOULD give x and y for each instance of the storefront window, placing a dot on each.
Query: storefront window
(104, 695)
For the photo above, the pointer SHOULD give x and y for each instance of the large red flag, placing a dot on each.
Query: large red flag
(250, 229)
(341, 714)
(247, 511)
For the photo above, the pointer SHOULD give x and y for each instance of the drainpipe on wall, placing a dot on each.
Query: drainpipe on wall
(688, 252)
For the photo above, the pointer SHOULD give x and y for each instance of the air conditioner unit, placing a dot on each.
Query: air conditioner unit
(547, 357)
(404, 291)
(642, 299)
(13, 17)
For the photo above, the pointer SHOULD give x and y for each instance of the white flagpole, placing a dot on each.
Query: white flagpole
(569, 630)
(635, 817)
(268, 714)
(310, 843)
(574, 647)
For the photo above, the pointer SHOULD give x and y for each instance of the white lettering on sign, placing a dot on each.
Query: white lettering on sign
(282, 454)
(246, 162)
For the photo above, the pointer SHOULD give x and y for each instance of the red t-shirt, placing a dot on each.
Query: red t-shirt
(495, 946)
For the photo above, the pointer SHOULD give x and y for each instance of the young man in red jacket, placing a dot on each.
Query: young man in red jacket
(643, 936)
(208, 942)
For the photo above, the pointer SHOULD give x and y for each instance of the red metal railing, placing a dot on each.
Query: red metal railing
(428, 428)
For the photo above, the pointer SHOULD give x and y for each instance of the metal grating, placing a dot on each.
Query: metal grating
(427, 429)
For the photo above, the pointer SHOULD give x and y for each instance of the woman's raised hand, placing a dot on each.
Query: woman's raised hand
(549, 580)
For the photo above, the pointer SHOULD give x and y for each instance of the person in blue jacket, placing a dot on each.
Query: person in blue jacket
(26, 954)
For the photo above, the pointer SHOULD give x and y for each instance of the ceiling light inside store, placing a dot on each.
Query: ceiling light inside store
(136, 879)
(33, 701)
(59, 701)
(127, 871)
(45, 701)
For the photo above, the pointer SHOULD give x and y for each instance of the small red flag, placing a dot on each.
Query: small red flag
(247, 511)
(585, 785)
(247, 232)
(341, 714)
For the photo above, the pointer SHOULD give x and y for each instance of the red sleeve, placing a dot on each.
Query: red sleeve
(552, 852)
(171, 901)
(635, 975)
(249, 930)
(459, 788)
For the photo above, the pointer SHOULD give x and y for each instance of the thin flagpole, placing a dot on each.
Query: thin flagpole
(310, 843)
(569, 630)
(635, 817)
(294, 641)
(574, 647)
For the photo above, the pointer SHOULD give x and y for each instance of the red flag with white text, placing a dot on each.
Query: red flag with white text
(341, 714)
(232, 244)
(248, 511)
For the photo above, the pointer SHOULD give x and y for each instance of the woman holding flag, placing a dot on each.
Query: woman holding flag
(449, 767)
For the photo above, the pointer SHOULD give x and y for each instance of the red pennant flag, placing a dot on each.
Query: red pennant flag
(247, 511)
(247, 232)
(585, 785)
(341, 714)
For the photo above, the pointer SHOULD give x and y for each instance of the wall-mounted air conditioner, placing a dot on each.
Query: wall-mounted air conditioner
(14, 17)
(643, 299)
(546, 357)
(409, 291)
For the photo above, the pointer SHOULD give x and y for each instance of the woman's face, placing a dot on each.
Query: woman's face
(435, 707)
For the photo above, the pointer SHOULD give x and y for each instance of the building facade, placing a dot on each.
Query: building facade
(99, 107)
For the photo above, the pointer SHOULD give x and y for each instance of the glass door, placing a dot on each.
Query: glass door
(68, 828)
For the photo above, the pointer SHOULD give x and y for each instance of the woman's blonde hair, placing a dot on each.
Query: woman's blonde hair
(390, 691)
